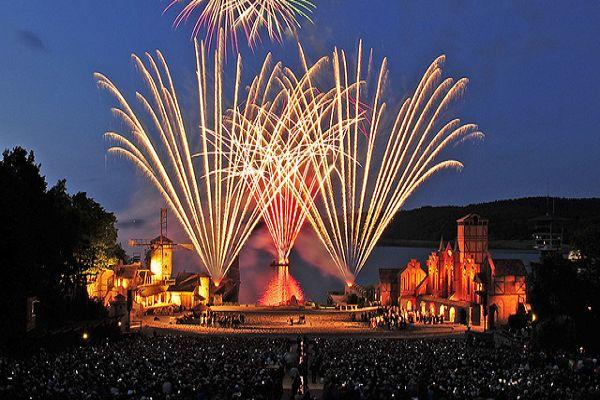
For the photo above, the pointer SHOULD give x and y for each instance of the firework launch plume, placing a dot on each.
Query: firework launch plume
(248, 17)
(378, 168)
(215, 207)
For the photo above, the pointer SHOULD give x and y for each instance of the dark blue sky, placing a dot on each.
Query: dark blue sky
(533, 66)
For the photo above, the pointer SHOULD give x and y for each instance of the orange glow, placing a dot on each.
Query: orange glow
(285, 215)
(281, 289)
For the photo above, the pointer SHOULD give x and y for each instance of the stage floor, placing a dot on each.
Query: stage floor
(275, 321)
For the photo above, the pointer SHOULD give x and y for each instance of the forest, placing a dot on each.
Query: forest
(509, 220)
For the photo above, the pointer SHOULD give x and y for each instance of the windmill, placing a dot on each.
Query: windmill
(161, 251)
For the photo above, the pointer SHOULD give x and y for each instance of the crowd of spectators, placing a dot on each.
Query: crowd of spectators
(451, 368)
(147, 367)
(224, 320)
(395, 318)
(212, 319)
(237, 367)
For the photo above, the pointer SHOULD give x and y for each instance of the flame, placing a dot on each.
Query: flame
(281, 288)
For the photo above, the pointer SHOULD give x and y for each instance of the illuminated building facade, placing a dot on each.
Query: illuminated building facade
(464, 283)
(152, 285)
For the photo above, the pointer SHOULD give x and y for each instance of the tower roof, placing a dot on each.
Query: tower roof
(161, 239)
(471, 218)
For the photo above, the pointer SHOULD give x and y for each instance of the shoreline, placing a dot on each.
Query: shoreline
(524, 246)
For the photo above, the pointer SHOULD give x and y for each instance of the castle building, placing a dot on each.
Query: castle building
(463, 283)
(151, 284)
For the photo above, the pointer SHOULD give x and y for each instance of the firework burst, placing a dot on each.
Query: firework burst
(378, 168)
(216, 208)
(250, 17)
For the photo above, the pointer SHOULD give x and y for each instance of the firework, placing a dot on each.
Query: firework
(216, 208)
(292, 148)
(291, 139)
(379, 166)
(248, 16)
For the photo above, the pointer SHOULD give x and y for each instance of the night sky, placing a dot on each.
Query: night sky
(532, 67)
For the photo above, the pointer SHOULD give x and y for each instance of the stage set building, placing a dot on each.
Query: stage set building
(151, 284)
(464, 283)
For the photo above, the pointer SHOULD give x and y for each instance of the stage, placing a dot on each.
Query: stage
(276, 321)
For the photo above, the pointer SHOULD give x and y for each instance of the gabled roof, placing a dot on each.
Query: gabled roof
(413, 261)
(338, 298)
(126, 271)
(509, 267)
(151, 290)
(472, 217)
(185, 282)
(161, 239)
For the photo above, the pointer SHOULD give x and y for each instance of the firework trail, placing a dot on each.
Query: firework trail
(216, 208)
(251, 17)
(379, 167)
(291, 129)
(296, 153)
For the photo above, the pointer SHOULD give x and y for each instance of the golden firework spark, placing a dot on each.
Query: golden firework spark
(216, 208)
(291, 146)
(378, 168)
(250, 16)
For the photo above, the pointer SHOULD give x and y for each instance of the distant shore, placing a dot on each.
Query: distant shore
(517, 245)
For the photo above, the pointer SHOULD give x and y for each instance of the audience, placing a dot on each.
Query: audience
(394, 318)
(236, 367)
(450, 369)
(143, 367)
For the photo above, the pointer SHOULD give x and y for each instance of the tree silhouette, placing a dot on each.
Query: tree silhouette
(49, 238)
